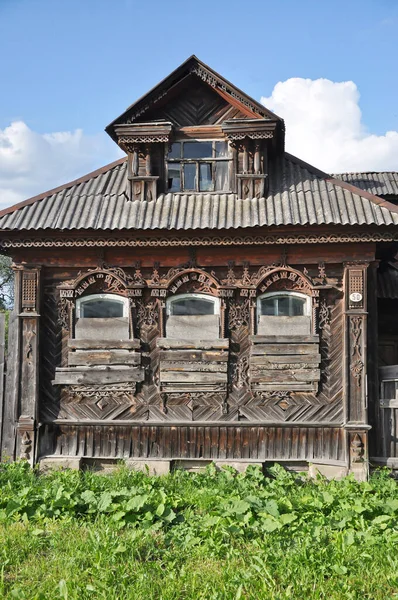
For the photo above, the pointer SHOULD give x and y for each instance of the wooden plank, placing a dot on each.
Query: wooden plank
(104, 357)
(197, 367)
(286, 376)
(388, 403)
(278, 349)
(192, 377)
(8, 437)
(280, 387)
(197, 355)
(98, 377)
(191, 387)
(104, 344)
(285, 339)
(169, 343)
(2, 341)
(286, 359)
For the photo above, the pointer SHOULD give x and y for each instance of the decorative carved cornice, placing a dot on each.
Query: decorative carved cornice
(254, 129)
(114, 278)
(173, 241)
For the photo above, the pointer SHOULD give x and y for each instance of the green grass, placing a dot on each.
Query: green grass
(199, 536)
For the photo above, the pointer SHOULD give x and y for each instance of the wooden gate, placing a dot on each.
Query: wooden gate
(386, 416)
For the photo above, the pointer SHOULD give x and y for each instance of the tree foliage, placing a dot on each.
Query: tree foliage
(6, 283)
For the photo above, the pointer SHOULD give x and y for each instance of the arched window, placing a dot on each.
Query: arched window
(194, 316)
(284, 313)
(97, 306)
(102, 317)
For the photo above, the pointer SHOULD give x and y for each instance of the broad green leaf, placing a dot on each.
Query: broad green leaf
(381, 519)
(328, 498)
(89, 497)
(287, 518)
(339, 569)
(240, 507)
(160, 510)
(105, 501)
(137, 502)
(118, 515)
(169, 515)
(272, 508)
(270, 525)
(38, 532)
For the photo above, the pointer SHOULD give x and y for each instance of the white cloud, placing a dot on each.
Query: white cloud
(31, 163)
(324, 126)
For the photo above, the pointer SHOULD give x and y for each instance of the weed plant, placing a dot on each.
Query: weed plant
(212, 535)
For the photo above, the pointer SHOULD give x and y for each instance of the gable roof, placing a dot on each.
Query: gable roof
(298, 194)
(192, 66)
(382, 183)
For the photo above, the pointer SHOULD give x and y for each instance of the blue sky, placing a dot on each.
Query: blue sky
(72, 65)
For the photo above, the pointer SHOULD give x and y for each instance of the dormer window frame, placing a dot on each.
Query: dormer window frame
(183, 161)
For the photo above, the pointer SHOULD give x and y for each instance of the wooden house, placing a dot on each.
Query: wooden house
(208, 297)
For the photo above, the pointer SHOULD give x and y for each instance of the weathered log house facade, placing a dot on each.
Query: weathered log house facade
(209, 297)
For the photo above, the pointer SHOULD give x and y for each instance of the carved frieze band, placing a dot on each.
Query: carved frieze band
(205, 240)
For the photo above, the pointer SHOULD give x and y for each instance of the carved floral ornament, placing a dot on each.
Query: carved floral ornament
(177, 278)
(111, 280)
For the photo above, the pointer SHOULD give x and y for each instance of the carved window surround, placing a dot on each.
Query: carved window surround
(237, 130)
(101, 360)
(129, 136)
(137, 140)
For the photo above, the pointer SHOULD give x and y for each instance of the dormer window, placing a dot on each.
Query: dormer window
(198, 166)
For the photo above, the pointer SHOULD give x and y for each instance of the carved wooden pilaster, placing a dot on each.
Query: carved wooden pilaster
(356, 304)
(22, 378)
(356, 346)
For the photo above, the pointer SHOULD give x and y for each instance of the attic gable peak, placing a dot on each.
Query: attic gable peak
(172, 86)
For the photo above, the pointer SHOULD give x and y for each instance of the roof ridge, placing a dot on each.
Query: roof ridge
(345, 185)
(364, 172)
(65, 186)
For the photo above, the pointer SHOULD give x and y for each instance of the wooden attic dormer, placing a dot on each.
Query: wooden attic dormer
(196, 132)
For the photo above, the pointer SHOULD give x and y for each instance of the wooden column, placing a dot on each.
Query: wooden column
(356, 410)
(21, 398)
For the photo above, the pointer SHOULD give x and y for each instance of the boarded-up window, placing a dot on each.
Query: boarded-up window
(283, 313)
(195, 316)
(102, 317)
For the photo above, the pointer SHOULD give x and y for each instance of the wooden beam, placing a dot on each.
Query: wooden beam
(103, 344)
(169, 343)
(105, 357)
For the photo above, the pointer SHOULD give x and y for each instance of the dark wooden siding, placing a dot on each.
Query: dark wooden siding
(227, 442)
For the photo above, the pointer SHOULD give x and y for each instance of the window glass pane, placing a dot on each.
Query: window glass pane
(268, 307)
(205, 177)
(174, 177)
(222, 176)
(175, 150)
(389, 390)
(283, 306)
(192, 306)
(197, 150)
(221, 149)
(297, 307)
(101, 308)
(190, 177)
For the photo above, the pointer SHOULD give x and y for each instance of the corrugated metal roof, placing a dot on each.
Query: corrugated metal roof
(381, 184)
(298, 195)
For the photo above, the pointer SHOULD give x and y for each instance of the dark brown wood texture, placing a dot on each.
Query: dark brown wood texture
(230, 442)
(237, 370)
(194, 103)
